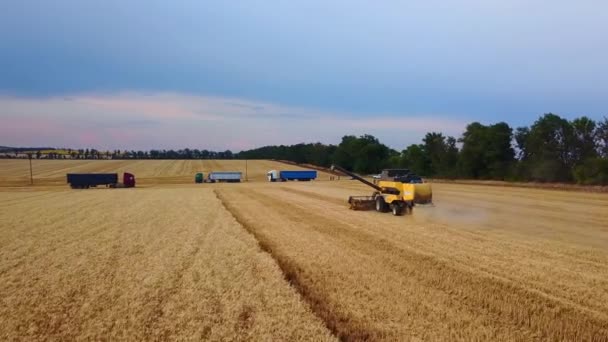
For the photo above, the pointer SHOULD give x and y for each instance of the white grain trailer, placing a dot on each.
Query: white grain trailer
(225, 176)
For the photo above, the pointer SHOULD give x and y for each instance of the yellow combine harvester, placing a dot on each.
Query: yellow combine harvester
(397, 190)
(389, 195)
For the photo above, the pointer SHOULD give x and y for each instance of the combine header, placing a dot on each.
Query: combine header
(393, 195)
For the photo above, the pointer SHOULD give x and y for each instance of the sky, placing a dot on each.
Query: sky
(146, 74)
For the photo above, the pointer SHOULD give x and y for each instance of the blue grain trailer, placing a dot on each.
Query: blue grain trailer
(290, 175)
(87, 180)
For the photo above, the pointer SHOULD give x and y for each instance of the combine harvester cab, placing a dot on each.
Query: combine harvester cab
(291, 175)
(199, 177)
(390, 195)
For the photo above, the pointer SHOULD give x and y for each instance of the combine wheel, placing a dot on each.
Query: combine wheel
(409, 208)
(381, 206)
(398, 209)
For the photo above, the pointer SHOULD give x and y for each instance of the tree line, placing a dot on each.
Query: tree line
(68, 153)
(552, 149)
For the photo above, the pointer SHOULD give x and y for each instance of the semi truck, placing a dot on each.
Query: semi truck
(224, 176)
(287, 175)
(88, 180)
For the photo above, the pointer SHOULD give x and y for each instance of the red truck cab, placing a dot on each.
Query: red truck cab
(128, 179)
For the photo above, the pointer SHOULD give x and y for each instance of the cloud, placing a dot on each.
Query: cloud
(244, 105)
(134, 120)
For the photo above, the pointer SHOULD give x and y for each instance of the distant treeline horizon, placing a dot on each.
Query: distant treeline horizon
(552, 149)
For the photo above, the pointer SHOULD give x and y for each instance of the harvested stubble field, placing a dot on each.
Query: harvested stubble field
(286, 261)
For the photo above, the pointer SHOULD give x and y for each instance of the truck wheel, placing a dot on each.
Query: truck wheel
(380, 204)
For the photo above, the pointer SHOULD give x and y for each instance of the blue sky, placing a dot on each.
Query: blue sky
(286, 66)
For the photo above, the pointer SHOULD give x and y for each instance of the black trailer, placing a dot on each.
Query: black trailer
(87, 180)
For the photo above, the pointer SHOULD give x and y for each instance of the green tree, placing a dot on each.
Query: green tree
(584, 140)
(602, 138)
(364, 154)
(592, 171)
(415, 158)
(442, 154)
(521, 138)
(548, 149)
(486, 151)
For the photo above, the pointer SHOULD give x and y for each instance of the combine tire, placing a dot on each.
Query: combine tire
(409, 208)
(397, 209)
(381, 206)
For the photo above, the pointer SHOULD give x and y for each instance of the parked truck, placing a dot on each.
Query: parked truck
(224, 176)
(88, 180)
(287, 175)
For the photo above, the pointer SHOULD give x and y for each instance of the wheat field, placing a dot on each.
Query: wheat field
(174, 260)
(167, 264)
(16, 172)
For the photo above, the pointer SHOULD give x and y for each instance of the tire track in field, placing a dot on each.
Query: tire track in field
(291, 273)
(343, 325)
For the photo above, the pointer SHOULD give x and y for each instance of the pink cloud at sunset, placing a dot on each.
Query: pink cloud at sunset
(168, 120)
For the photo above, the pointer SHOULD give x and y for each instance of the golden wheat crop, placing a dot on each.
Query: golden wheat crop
(484, 263)
(139, 264)
(289, 261)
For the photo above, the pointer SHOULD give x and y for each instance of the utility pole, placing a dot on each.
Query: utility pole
(29, 156)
